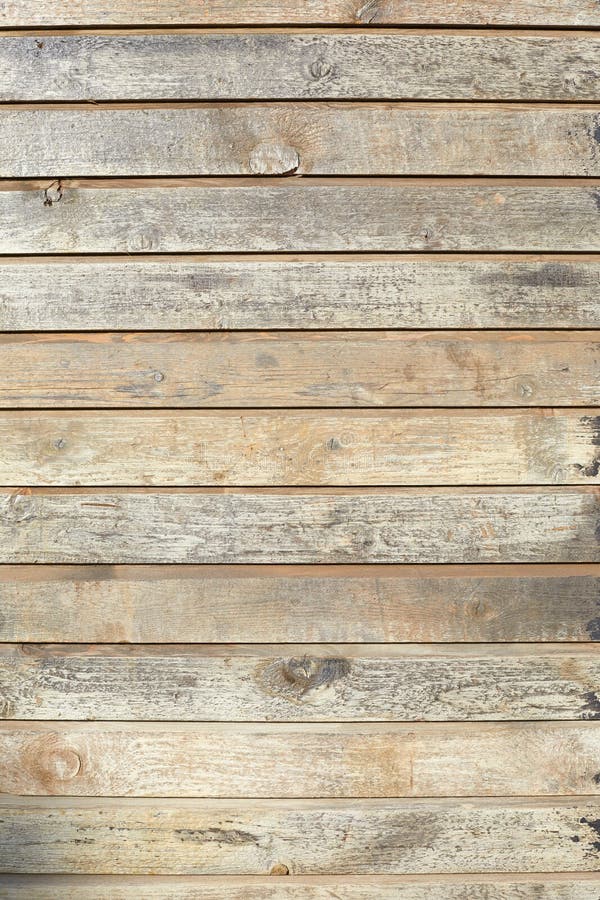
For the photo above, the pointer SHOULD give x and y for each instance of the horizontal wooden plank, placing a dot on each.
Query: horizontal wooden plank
(399, 447)
(583, 886)
(353, 369)
(310, 837)
(237, 65)
(394, 525)
(314, 139)
(290, 761)
(54, 294)
(300, 683)
(229, 604)
(19, 13)
(299, 215)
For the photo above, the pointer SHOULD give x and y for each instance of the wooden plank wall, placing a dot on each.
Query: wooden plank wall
(300, 449)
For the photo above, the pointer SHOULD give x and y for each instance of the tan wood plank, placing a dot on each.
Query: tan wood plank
(577, 13)
(229, 604)
(53, 294)
(46, 13)
(584, 886)
(352, 369)
(290, 761)
(299, 215)
(308, 837)
(275, 139)
(399, 447)
(287, 525)
(300, 683)
(232, 65)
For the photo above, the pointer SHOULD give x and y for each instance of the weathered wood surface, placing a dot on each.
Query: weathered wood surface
(229, 604)
(575, 13)
(39, 13)
(399, 447)
(291, 761)
(313, 837)
(314, 139)
(277, 525)
(277, 65)
(353, 369)
(283, 214)
(53, 294)
(583, 886)
(300, 683)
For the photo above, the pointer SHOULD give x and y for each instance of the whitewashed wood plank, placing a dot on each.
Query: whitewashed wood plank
(300, 683)
(53, 294)
(291, 761)
(355, 887)
(394, 525)
(232, 65)
(313, 139)
(301, 215)
(233, 604)
(310, 837)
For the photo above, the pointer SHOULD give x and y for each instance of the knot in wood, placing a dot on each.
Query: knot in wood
(53, 194)
(274, 159)
(296, 677)
(320, 69)
(20, 507)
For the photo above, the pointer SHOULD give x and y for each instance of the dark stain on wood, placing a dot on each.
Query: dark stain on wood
(592, 469)
(591, 709)
(216, 836)
(594, 824)
(553, 275)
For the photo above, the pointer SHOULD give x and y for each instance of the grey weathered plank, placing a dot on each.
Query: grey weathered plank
(277, 525)
(290, 761)
(427, 291)
(299, 215)
(353, 369)
(314, 139)
(308, 837)
(355, 887)
(229, 604)
(300, 683)
(232, 65)
(577, 13)
(345, 448)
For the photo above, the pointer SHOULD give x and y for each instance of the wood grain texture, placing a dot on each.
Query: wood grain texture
(355, 887)
(300, 683)
(313, 837)
(577, 13)
(399, 447)
(215, 293)
(277, 525)
(314, 139)
(229, 604)
(583, 886)
(278, 369)
(238, 65)
(299, 215)
(286, 761)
